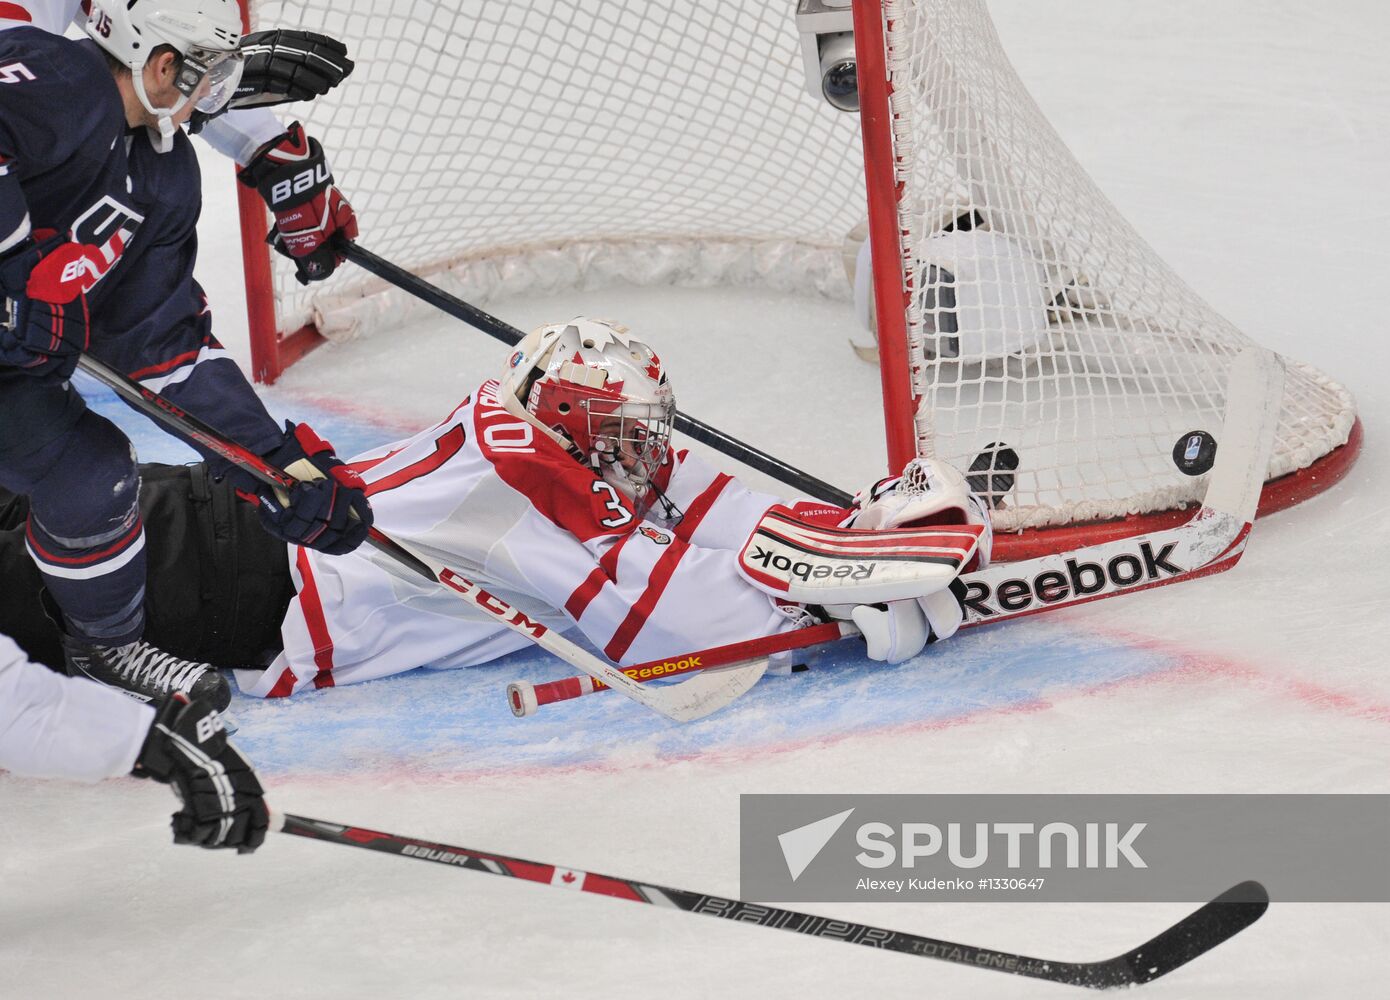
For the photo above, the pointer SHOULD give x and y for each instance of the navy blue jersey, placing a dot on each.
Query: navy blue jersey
(71, 165)
(61, 122)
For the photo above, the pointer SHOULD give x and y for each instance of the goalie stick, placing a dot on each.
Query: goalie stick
(525, 698)
(1212, 541)
(1194, 935)
(691, 699)
(695, 429)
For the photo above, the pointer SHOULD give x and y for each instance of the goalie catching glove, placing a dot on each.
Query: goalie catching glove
(891, 566)
(927, 493)
(326, 509)
(223, 804)
(312, 218)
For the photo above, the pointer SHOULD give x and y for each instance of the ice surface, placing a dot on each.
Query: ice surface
(1250, 143)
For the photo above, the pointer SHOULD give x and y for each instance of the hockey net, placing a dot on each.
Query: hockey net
(538, 145)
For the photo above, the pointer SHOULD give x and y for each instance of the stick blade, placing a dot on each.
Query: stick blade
(705, 693)
(1218, 921)
(1254, 391)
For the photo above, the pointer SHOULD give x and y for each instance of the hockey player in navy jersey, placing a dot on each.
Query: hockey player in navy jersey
(99, 199)
(555, 487)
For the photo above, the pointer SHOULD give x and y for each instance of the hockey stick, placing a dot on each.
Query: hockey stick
(691, 699)
(1212, 541)
(697, 430)
(1194, 935)
(525, 698)
(185, 425)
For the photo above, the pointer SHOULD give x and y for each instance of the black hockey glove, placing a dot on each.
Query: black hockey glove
(281, 66)
(45, 323)
(223, 804)
(327, 509)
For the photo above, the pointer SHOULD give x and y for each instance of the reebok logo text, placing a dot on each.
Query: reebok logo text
(808, 571)
(1075, 580)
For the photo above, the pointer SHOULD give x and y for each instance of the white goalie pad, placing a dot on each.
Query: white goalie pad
(811, 564)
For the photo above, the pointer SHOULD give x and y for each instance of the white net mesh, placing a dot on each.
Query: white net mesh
(1039, 317)
(535, 145)
(518, 146)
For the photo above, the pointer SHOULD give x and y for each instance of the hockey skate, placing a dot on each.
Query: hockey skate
(146, 672)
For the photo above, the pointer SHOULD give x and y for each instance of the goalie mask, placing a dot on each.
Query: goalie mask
(603, 394)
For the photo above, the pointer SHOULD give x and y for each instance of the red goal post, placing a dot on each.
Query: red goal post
(272, 351)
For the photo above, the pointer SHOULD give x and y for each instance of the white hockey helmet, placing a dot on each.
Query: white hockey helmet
(603, 394)
(205, 33)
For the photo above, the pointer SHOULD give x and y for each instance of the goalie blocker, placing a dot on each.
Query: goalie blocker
(812, 564)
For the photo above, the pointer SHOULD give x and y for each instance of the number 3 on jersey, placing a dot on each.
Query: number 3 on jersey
(621, 515)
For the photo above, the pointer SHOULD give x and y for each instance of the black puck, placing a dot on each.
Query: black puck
(1194, 453)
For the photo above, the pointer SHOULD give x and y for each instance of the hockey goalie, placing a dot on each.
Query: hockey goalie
(557, 488)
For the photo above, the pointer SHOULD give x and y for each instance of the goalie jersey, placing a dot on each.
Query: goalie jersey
(493, 497)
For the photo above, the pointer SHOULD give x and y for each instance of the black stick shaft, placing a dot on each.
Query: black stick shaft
(1199, 932)
(700, 431)
(197, 432)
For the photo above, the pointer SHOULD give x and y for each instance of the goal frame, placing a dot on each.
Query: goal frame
(273, 351)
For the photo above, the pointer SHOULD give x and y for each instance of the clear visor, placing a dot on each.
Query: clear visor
(209, 78)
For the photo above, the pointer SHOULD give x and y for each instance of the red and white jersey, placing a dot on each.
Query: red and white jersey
(53, 726)
(236, 134)
(487, 493)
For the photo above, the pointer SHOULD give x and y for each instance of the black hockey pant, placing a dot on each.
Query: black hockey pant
(217, 585)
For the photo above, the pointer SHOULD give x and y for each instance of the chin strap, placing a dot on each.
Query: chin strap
(623, 483)
(161, 137)
(670, 511)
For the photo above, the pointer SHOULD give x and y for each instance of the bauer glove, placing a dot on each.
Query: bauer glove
(281, 66)
(223, 804)
(326, 509)
(312, 218)
(46, 323)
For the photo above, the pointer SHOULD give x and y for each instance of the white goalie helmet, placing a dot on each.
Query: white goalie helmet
(602, 393)
(205, 33)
